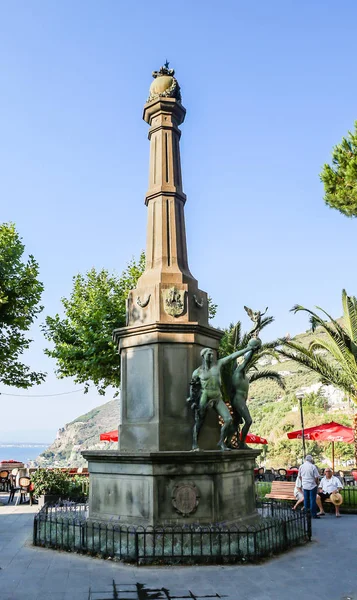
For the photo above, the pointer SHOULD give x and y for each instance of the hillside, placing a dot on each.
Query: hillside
(81, 434)
(274, 413)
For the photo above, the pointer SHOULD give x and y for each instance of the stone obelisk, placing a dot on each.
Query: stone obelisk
(153, 478)
(167, 315)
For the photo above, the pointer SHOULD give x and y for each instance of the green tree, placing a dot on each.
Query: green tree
(233, 340)
(334, 355)
(340, 179)
(82, 340)
(20, 295)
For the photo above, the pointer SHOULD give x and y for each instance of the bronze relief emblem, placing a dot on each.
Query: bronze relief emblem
(174, 301)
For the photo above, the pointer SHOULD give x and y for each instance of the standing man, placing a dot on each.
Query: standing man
(310, 479)
(329, 484)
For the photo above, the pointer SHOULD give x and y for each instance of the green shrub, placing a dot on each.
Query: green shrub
(58, 483)
(50, 482)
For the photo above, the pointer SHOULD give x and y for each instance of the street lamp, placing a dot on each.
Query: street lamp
(300, 396)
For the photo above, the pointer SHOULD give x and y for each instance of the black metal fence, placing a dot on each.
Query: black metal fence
(68, 528)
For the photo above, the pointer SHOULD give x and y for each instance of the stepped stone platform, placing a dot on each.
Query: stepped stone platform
(172, 488)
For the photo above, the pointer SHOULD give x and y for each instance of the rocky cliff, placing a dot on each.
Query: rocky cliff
(81, 434)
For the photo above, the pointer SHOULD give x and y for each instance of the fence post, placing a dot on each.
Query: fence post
(255, 545)
(308, 523)
(137, 547)
(34, 538)
(285, 535)
(82, 536)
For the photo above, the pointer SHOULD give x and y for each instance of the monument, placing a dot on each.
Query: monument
(154, 478)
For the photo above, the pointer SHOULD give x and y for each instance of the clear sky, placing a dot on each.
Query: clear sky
(269, 88)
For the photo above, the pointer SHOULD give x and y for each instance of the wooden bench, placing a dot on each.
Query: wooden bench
(284, 490)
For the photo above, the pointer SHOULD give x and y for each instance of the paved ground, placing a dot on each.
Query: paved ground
(326, 569)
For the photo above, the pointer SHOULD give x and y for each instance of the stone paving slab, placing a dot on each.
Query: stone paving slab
(325, 569)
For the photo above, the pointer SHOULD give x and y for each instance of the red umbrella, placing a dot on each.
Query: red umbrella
(109, 436)
(327, 432)
(255, 439)
(112, 436)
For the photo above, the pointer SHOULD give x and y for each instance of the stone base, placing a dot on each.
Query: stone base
(172, 488)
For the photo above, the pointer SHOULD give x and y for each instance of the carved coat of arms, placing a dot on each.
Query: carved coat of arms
(174, 301)
(185, 498)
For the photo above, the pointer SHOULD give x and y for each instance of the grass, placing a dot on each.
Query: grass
(262, 488)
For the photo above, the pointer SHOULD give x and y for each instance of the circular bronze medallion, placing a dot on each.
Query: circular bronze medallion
(185, 498)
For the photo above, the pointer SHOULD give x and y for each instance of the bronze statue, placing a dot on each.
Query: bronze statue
(239, 395)
(256, 317)
(205, 391)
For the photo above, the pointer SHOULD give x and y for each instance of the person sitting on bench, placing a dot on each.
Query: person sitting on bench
(298, 493)
(328, 485)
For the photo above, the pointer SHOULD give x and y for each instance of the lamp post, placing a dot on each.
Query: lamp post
(300, 397)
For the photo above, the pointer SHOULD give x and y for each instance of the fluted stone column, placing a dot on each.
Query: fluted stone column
(167, 314)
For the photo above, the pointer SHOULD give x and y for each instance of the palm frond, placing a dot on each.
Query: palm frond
(237, 336)
(266, 321)
(340, 337)
(339, 329)
(338, 364)
(245, 339)
(270, 345)
(332, 328)
(314, 323)
(341, 354)
(318, 364)
(346, 312)
(296, 308)
(315, 319)
(267, 374)
(234, 340)
(349, 304)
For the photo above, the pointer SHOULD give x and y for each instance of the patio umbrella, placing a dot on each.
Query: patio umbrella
(112, 436)
(327, 432)
(255, 439)
(109, 436)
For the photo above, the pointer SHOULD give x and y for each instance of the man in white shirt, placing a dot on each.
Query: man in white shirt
(328, 485)
(310, 479)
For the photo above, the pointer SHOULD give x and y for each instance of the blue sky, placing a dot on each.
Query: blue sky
(269, 88)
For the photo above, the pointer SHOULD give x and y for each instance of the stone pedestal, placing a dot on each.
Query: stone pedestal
(172, 488)
(157, 362)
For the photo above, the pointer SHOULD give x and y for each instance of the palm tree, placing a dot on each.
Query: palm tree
(333, 356)
(233, 340)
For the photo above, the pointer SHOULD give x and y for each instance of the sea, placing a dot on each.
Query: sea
(22, 452)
